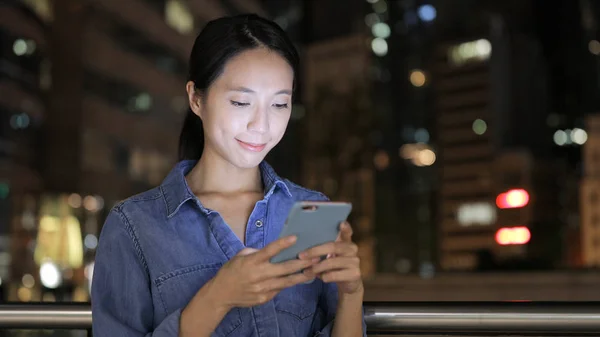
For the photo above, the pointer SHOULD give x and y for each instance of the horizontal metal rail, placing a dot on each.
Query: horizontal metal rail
(447, 318)
(46, 316)
(485, 318)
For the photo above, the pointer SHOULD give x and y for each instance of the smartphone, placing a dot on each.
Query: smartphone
(313, 223)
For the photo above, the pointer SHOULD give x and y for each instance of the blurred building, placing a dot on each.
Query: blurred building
(491, 94)
(23, 95)
(590, 195)
(590, 19)
(114, 79)
(402, 42)
(117, 95)
(569, 35)
(337, 157)
(123, 99)
(529, 230)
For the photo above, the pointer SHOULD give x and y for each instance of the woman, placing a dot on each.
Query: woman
(191, 257)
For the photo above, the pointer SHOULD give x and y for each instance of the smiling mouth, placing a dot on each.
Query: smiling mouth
(252, 146)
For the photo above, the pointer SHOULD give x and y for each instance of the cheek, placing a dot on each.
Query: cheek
(234, 123)
(279, 124)
(229, 122)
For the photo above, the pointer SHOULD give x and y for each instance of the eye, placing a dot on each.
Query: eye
(281, 106)
(239, 104)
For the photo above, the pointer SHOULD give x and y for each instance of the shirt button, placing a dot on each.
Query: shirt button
(258, 223)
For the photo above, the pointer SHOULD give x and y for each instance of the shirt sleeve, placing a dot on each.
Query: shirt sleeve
(328, 306)
(121, 297)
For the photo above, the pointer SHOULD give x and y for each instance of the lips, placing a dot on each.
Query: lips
(253, 147)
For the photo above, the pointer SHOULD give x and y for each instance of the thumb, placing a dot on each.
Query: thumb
(346, 232)
(247, 251)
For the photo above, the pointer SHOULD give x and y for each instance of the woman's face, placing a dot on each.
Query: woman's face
(246, 110)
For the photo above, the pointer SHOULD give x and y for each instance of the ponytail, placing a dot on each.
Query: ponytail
(191, 139)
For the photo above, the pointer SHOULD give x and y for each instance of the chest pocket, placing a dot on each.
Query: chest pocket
(177, 288)
(299, 301)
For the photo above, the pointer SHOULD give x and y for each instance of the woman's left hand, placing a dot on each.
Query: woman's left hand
(342, 265)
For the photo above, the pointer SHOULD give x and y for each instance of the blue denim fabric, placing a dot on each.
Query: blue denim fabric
(157, 249)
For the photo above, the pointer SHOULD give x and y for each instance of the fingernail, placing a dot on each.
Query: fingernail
(315, 260)
(291, 239)
(302, 255)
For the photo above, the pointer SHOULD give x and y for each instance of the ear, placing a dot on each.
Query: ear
(194, 98)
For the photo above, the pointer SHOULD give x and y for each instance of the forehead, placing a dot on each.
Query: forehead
(257, 69)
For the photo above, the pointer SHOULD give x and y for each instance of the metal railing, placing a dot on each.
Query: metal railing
(447, 318)
(485, 318)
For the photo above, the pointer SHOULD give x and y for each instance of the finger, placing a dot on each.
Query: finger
(263, 297)
(275, 247)
(281, 283)
(289, 267)
(344, 275)
(346, 232)
(337, 263)
(247, 251)
(336, 248)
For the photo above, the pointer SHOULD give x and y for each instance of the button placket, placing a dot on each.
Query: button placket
(256, 227)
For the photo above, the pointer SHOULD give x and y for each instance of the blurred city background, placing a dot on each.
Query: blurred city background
(465, 132)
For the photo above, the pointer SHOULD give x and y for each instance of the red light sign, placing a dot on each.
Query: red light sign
(515, 198)
(513, 236)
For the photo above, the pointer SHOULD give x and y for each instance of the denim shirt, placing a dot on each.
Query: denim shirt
(157, 249)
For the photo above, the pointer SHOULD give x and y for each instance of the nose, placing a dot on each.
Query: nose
(259, 122)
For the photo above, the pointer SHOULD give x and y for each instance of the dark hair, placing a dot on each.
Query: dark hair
(217, 43)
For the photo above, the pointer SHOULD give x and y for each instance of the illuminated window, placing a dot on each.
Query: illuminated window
(43, 8)
(178, 16)
(59, 235)
(473, 51)
(482, 213)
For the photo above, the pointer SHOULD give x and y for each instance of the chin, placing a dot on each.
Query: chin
(247, 162)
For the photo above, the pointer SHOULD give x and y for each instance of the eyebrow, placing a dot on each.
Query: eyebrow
(250, 91)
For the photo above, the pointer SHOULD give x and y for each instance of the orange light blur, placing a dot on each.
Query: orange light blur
(513, 236)
(515, 198)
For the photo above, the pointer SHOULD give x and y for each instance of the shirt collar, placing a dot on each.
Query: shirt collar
(271, 180)
(176, 191)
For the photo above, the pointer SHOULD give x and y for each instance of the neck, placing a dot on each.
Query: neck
(213, 174)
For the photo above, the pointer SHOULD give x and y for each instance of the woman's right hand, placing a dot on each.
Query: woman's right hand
(250, 278)
(247, 280)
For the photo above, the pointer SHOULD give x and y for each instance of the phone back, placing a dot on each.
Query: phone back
(313, 223)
